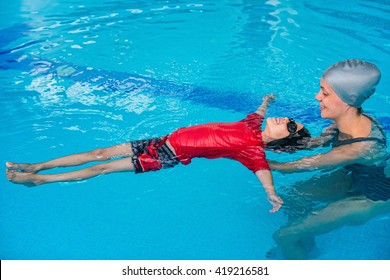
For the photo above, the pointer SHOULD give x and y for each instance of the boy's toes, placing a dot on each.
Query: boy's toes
(12, 166)
(21, 167)
(10, 174)
(9, 165)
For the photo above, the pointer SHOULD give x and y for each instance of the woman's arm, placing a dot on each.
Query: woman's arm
(324, 139)
(337, 157)
(262, 110)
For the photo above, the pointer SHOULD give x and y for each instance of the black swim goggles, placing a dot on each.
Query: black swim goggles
(291, 127)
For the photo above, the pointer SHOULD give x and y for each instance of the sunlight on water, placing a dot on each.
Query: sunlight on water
(83, 75)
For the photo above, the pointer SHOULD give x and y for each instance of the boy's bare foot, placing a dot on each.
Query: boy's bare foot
(22, 167)
(27, 179)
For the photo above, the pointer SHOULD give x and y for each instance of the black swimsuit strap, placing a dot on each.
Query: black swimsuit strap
(337, 143)
(377, 124)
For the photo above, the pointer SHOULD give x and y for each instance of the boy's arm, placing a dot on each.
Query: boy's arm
(262, 110)
(265, 178)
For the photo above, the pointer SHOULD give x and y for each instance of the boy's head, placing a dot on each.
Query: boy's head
(286, 135)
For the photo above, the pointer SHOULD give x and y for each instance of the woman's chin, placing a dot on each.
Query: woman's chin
(324, 115)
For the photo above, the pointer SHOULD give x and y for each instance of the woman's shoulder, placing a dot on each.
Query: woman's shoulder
(377, 129)
(372, 139)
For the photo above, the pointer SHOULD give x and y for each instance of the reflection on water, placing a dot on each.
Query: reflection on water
(97, 73)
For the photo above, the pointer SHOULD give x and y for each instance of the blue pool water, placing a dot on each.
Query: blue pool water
(79, 75)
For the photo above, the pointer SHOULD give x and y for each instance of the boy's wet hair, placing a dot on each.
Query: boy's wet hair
(291, 143)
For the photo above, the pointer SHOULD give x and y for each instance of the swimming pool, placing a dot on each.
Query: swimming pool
(78, 75)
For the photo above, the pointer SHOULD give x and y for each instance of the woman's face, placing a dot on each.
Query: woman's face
(331, 105)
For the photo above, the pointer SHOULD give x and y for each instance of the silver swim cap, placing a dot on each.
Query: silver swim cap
(353, 80)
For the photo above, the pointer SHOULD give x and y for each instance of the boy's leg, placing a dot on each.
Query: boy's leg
(102, 154)
(31, 179)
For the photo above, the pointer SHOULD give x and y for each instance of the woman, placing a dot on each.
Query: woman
(357, 188)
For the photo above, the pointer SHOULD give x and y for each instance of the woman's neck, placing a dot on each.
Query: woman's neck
(353, 125)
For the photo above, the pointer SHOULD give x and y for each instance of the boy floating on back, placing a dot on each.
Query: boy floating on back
(243, 141)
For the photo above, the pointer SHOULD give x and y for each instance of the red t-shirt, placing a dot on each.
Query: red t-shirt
(240, 141)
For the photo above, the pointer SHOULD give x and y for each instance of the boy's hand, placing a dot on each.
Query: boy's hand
(262, 110)
(276, 202)
(269, 97)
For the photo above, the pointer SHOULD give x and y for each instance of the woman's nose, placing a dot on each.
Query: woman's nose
(318, 96)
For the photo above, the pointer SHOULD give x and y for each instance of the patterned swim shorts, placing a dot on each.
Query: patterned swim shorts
(152, 154)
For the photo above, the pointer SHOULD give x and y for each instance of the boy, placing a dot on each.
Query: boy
(242, 141)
